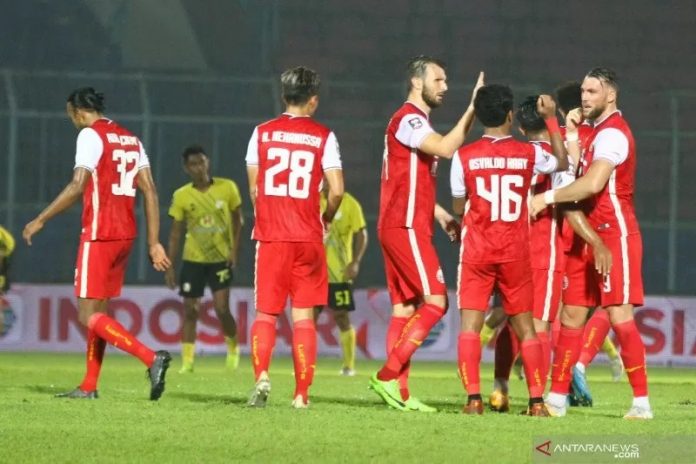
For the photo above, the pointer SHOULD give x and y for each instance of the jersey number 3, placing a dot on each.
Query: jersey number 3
(300, 164)
(125, 186)
(506, 204)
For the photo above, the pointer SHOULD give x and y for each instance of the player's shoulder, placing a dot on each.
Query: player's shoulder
(225, 183)
(183, 191)
(349, 200)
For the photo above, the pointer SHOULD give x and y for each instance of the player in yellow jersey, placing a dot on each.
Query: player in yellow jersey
(345, 245)
(7, 245)
(209, 210)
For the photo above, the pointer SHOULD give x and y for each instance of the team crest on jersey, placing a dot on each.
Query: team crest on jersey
(207, 221)
(415, 123)
(219, 204)
(338, 215)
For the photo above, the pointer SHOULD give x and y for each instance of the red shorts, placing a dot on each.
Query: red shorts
(411, 265)
(294, 269)
(547, 293)
(100, 268)
(513, 280)
(579, 282)
(623, 285)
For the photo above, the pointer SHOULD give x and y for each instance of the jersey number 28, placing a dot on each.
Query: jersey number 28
(300, 164)
(506, 204)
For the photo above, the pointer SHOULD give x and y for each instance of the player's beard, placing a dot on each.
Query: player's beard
(430, 98)
(594, 113)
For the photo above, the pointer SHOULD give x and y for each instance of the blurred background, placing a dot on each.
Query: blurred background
(177, 72)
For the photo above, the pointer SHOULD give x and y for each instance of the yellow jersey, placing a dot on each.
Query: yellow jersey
(208, 217)
(7, 242)
(349, 219)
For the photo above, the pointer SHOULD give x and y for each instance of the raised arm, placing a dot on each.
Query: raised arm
(146, 185)
(546, 108)
(444, 146)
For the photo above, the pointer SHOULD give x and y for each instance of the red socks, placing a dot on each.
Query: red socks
(469, 354)
(95, 355)
(414, 333)
(115, 334)
(532, 359)
(396, 326)
(565, 356)
(304, 355)
(545, 353)
(263, 338)
(596, 331)
(633, 356)
(506, 349)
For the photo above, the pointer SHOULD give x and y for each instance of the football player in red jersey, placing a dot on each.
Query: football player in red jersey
(286, 160)
(110, 163)
(405, 225)
(490, 179)
(610, 182)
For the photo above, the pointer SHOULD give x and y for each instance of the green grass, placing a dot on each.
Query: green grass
(202, 417)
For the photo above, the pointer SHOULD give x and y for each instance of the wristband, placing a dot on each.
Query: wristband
(571, 136)
(550, 197)
(552, 125)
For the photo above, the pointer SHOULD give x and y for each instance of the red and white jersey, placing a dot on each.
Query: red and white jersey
(570, 239)
(292, 153)
(545, 240)
(407, 194)
(612, 212)
(114, 156)
(495, 174)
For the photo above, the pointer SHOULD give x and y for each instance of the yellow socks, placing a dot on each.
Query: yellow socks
(188, 351)
(486, 334)
(609, 348)
(232, 362)
(348, 346)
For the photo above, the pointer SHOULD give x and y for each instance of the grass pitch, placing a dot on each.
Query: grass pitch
(202, 417)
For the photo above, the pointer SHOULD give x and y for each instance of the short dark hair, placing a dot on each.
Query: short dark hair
(492, 104)
(528, 116)
(569, 96)
(192, 150)
(298, 85)
(605, 75)
(418, 64)
(86, 98)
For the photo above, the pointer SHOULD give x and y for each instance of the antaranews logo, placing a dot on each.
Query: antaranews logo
(544, 448)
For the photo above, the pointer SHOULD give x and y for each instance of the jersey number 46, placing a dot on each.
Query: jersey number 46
(506, 204)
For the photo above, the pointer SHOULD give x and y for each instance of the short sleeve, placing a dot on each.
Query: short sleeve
(332, 154)
(252, 155)
(413, 129)
(544, 162)
(357, 220)
(457, 177)
(235, 197)
(144, 161)
(89, 149)
(176, 210)
(611, 145)
(561, 179)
